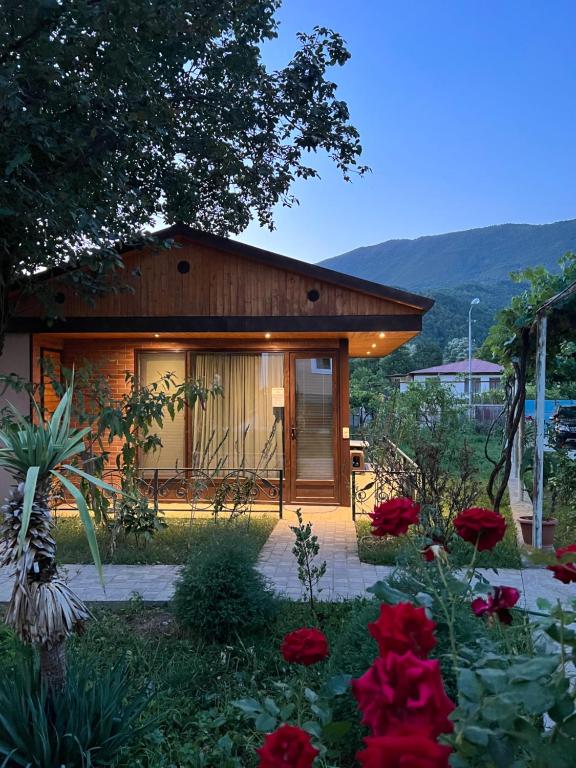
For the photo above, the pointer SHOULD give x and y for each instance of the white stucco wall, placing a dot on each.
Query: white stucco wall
(14, 359)
(457, 383)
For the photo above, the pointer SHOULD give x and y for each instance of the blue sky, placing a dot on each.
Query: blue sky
(467, 114)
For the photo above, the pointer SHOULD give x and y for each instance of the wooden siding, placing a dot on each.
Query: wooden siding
(220, 284)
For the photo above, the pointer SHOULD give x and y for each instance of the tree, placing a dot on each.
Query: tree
(456, 349)
(512, 342)
(117, 113)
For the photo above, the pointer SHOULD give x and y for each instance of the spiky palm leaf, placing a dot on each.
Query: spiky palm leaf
(43, 609)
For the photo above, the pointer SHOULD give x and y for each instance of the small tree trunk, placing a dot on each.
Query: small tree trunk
(53, 665)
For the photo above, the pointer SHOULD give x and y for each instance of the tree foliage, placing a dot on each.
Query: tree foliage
(114, 114)
(512, 342)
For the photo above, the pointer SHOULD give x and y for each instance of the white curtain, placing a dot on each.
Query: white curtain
(239, 428)
(153, 366)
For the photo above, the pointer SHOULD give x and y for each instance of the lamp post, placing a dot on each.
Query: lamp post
(472, 303)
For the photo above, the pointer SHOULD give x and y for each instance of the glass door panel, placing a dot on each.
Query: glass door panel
(314, 424)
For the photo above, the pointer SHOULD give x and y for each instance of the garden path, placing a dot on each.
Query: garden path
(346, 577)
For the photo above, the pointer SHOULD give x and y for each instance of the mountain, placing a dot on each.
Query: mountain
(474, 256)
(456, 267)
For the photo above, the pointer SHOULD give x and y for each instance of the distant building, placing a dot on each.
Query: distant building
(485, 376)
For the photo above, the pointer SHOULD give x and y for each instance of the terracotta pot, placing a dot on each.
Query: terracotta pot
(548, 530)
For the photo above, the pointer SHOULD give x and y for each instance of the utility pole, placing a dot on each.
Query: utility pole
(472, 303)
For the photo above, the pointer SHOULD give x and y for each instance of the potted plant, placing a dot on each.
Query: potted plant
(549, 522)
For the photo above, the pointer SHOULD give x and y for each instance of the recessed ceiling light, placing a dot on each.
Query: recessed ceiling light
(382, 335)
(156, 335)
(373, 345)
(368, 353)
(267, 335)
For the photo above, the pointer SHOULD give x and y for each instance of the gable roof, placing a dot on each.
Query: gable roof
(294, 265)
(273, 259)
(478, 366)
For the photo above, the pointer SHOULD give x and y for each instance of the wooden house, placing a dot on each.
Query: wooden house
(275, 334)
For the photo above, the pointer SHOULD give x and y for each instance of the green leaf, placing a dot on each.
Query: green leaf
(94, 480)
(86, 520)
(271, 707)
(388, 594)
(265, 723)
(469, 685)
(29, 492)
(310, 695)
(248, 706)
(476, 735)
(338, 685)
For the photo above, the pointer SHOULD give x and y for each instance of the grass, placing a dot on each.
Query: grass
(170, 546)
(196, 681)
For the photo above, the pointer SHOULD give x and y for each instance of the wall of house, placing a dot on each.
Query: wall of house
(113, 357)
(15, 359)
(457, 383)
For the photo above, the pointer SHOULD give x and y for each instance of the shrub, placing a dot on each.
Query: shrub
(85, 723)
(220, 593)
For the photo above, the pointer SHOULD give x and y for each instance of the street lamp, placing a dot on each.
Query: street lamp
(472, 303)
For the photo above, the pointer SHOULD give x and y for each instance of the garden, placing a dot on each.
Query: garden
(434, 668)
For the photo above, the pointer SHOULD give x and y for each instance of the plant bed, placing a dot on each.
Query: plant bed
(390, 550)
(170, 546)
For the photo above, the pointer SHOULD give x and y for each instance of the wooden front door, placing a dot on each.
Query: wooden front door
(313, 428)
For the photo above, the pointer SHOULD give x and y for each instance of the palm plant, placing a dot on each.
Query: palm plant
(43, 610)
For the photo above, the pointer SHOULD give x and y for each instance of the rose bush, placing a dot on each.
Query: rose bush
(394, 517)
(565, 572)
(498, 604)
(413, 750)
(287, 747)
(401, 628)
(403, 691)
(483, 528)
(305, 646)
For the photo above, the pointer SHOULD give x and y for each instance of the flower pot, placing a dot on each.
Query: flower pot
(548, 530)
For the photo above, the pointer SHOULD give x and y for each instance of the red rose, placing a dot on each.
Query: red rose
(287, 747)
(498, 604)
(482, 527)
(394, 517)
(564, 572)
(305, 646)
(428, 553)
(401, 628)
(403, 691)
(414, 750)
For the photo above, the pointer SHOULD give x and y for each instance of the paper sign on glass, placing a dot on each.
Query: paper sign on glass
(277, 397)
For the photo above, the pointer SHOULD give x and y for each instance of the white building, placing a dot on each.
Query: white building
(485, 376)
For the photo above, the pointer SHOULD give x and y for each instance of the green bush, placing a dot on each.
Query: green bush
(85, 724)
(220, 593)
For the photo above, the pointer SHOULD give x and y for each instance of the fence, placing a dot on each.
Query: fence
(399, 477)
(196, 489)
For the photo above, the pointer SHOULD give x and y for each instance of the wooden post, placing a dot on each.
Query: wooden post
(538, 489)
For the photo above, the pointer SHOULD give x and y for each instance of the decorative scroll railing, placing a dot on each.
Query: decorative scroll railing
(205, 490)
(394, 474)
(190, 490)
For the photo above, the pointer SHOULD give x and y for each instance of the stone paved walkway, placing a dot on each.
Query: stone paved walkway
(346, 577)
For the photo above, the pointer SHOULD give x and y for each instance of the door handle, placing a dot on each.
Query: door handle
(293, 433)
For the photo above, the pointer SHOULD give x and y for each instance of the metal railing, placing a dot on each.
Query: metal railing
(199, 489)
(398, 477)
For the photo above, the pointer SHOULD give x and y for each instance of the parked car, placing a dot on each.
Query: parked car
(564, 424)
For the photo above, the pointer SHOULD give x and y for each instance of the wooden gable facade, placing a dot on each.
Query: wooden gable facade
(276, 331)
